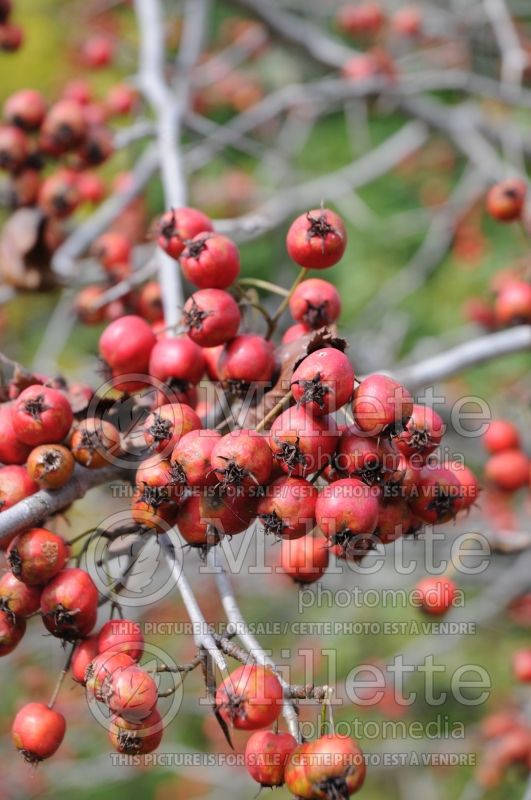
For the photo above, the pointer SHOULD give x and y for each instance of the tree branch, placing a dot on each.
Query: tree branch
(466, 355)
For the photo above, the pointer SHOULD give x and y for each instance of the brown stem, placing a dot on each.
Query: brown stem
(284, 304)
(275, 411)
(61, 677)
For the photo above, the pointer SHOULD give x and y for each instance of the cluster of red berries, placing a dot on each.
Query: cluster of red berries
(250, 699)
(49, 151)
(379, 484)
(508, 467)
(319, 484)
(510, 303)
(507, 743)
(367, 22)
(11, 35)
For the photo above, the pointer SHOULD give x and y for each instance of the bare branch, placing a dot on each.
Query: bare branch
(335, 184)
(238, 624)
(63, 262)
(33, 510)
(470, 354)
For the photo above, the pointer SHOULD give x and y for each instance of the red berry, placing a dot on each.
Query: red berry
(95, 443)
(323, 382)
(64, 128)
(315, 303)
(91, 187)
(12, 629)
(18, 598)
(305, 560)
(59, 194)
(302, 444)
(84, 653)
(15, 485)
(346, 509)
(25, 187)
(132, 694)
(407, 22)
(359, 455)
(149, 302)
(436, 595)
(211, 261)
(381, 404)
(121, 99)
(97, 51)
(179, 225)
(250, 698)
(69, 604)
(152, 509)
(317, 239)
(50, 465)
(501, 435)
(522, 665)
(6, 7)
(98, 144)
(394, 519)
(191, 456)
(122, 635)
(470, 488)
(294, 332)
(78, 90)
(266, 755)
(422, 433)
(365, 19)
(508, 470)
(330, 766)
(37, 555)
(136, 738)
(211, 356)
(177, 359)
(211, 317)
(126, 345)
(100, 670)
(14, 148)
(38, 731)
(26, 109)
(112, 249)
(288, 508)
(439, 495)
(164, 427)
(207, 516)
(242, 458)
(12, 450)
(505, 200)
(245, 360)
(513, 304)
(11, 37)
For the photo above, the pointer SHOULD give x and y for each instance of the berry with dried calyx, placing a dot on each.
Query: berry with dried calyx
(250, 698)
(266, 755)
(136, 738)
(37, 731)
(381, 405)
(178, 226)
(323, 382)
(305, 559)
(315, 303)
(287, 509)
(242, 458)
(95, 443)
(35, 556)
(505, 200)
(165, 426)
(50, 465)
(41, 415)
(211, 317)
(301, 443)
(211, 261)
(69, 604)
(317, 239)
